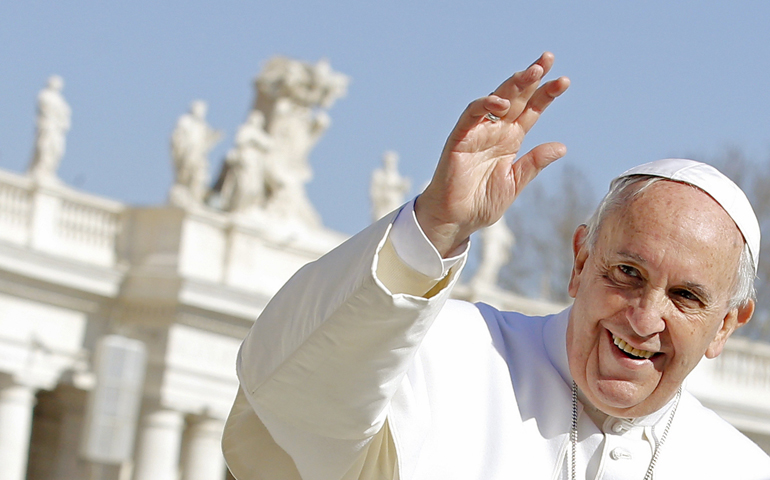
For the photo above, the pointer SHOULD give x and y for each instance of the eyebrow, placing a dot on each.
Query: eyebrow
(632, 256)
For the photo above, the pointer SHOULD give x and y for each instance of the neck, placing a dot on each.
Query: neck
(599, 417)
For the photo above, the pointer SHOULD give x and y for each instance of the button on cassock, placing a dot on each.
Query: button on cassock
(620, 453)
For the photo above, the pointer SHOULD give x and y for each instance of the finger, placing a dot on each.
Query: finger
(540, 100)
(499, 103)
(476, 111)
(545, 61)
(520, 86)
(528, 166)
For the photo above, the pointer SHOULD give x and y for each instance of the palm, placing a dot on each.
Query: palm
(484, 158)
(479, 176)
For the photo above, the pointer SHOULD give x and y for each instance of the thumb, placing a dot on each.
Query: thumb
(529, 165)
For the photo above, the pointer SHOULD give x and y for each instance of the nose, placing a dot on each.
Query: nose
(647, 313)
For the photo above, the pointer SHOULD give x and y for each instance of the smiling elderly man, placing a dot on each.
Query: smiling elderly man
(362, 368)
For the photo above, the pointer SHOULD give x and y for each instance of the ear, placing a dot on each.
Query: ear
(735, 318)
(580, 254)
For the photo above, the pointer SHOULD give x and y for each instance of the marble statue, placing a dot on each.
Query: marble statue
(388, 188)
(293, 97)
(243, 187)
(497, 240)
(53, 122)
(191, 142)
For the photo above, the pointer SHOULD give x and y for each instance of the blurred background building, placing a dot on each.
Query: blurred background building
(119, 324)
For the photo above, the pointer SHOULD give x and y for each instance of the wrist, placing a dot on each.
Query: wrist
(445, 236)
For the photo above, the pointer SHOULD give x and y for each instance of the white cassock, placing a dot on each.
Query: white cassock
(362, 368)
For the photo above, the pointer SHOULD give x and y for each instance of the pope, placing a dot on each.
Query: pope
(362, 367)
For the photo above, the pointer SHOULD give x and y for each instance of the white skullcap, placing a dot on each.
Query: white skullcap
(717, 185)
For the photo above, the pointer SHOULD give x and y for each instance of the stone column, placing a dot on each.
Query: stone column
(16, 405)
(203, 458)
(160, 440)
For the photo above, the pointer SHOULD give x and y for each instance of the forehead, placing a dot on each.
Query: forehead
(674, 222)
(667, 200)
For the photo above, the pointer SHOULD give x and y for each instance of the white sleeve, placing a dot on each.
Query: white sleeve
(321, 364)
(413, 247)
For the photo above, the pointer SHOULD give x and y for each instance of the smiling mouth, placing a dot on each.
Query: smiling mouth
(629, 350)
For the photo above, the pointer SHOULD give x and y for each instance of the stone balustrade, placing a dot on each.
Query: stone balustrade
(15, 206)
(745, 363)
(53, 218)
(736, 385)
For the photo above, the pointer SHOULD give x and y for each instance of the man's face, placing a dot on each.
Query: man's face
(657, 284)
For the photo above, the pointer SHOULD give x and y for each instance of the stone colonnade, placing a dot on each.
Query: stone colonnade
(166, 443)
(169, 445)
(17, 403)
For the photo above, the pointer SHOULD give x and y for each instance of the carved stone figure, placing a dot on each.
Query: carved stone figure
(53, 122)
(243, 187)
(293, 95)
(497, 240)
(191, 142)
(388, 188)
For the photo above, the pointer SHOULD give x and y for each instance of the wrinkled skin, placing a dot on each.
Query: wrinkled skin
(480, 173)
(660, 277)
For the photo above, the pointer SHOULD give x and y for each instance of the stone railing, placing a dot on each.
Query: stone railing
(86, 224)
(15, 208)
(745, 363)
(737, 384)
(55, 219)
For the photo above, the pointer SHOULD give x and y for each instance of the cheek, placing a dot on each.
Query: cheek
(690, 344)
(582, 337)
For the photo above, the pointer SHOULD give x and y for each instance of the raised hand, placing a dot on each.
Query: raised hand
(478, 175)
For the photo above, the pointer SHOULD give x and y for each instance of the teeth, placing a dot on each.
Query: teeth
(629, 349)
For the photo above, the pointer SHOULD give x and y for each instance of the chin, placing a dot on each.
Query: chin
(619, 398)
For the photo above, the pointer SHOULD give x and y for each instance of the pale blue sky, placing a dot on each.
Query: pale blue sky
(649, 80)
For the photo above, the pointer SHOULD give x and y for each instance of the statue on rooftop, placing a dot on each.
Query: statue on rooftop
(53, 122)
(293, 97)
(243, 187)
(191, 142)
(388, 188)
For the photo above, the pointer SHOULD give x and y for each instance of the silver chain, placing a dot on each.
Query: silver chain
(573, 430)
(573, 433)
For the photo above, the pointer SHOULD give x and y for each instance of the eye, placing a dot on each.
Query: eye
(686, 295)
(687, 299)
(629, 271)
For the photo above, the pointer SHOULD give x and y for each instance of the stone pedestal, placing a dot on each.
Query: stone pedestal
(160, 440)
(16, 405)
(203, 458)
